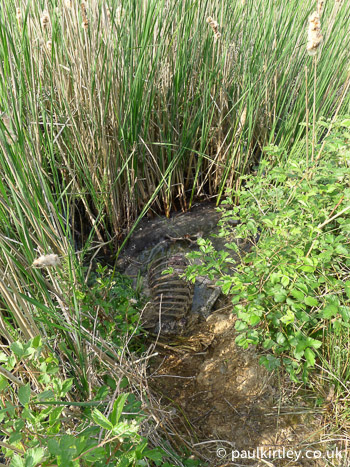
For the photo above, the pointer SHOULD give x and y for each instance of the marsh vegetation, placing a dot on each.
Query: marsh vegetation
(112, 110)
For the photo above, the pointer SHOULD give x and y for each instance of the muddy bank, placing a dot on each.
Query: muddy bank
(221, 400)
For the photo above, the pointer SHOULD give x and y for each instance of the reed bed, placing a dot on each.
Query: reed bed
(114, 109)
(146, 104)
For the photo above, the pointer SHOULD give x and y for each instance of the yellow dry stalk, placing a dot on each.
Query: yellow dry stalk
(119, 13)
(7, 121)
(108, 11)
(18, 15)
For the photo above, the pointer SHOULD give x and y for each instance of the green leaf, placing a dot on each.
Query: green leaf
(226, 286)
(66, 386)
(154, 454)
(270, 362)
(45, 395)
(118, 408)
(310, 356)
(232, 246)
(33, 457)
(17, 461)
(303, 316)
(17, 349)
(140, 448)
(268, 222)
(124, 383)
(268, 344)
(274, 278)
(3, 357)
(316, 344)
(254, 319)
(345, 123)
(303, 287)
(101, 420)
(337, 326)
(329, 311)
(36, 342)
(9, 409)
(280, 339)
(24, 394)
(310, 301)
(345, 313)
(347, 288)
(297, 294)
(55, 415)
(285, 281)
(240, 325)
(253, 337)
(54, 447)
(280, 297)
(341, 250)
(3, 383)
(288, 318)
(299, 350)
(14, 437)
(307, 268)
(241, 340)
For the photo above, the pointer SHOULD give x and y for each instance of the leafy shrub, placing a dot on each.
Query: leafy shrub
(293, 287)
(111, 296)
(44, 426)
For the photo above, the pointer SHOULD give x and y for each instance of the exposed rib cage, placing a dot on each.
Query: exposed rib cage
(171, 295)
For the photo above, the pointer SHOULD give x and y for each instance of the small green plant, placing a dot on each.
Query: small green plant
(109, 303)
(293, 287)
(41, 425)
